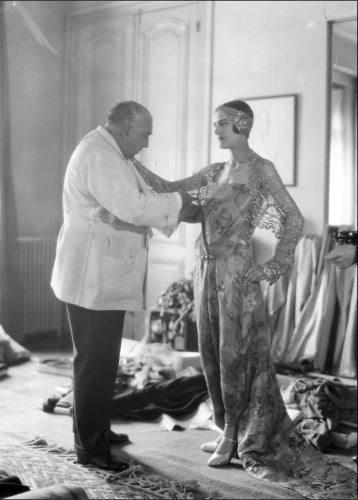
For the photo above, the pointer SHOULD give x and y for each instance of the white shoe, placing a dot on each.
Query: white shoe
(210, 446)
(217, 459)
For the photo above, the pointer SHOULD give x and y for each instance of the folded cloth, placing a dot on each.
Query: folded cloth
(319, 398)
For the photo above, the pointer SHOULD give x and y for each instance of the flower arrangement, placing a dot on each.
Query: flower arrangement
(179, 296)
(173, 320)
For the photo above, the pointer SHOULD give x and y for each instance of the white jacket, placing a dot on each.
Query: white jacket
(100, 262)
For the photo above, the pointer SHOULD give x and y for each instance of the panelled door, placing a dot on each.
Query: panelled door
(158, 54)
(168, 84)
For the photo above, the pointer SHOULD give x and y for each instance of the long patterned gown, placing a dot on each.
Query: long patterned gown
(230, 315)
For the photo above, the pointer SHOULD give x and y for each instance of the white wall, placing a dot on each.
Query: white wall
(274, 48)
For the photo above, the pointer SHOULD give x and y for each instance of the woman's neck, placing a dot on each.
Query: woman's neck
(241, 154)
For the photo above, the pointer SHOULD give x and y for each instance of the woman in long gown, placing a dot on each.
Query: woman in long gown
(237, 197)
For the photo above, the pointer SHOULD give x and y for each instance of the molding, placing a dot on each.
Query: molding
(180, 30)
(90, 44)
(91, 8)
(328, 121)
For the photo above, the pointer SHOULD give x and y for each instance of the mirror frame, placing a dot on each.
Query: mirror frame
(329, 80)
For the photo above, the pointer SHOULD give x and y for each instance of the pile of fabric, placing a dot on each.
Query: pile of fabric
(326, 406)
(149, 383)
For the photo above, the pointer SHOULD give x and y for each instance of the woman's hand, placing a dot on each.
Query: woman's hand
(254, 275)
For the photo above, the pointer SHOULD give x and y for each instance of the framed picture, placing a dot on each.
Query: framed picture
(273, 134)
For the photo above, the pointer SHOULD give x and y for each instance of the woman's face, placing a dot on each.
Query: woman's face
(223, 128)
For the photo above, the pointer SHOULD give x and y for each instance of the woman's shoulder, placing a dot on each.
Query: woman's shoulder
(264, 165)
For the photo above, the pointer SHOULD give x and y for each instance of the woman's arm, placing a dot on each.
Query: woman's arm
(160, 185)
(291, 222)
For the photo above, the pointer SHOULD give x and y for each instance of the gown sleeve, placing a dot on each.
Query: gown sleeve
(193, 184)
(281, 215)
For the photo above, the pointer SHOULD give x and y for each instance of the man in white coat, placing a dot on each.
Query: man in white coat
(101, 262)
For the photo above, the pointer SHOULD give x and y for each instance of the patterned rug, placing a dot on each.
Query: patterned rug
(39, 464)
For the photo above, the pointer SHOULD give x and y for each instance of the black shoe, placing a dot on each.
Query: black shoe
(107, 462)
(118, 438)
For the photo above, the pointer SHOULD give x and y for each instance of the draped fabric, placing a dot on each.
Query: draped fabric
(313, 310)
(346, 360)
(10, 303)
(286, 299)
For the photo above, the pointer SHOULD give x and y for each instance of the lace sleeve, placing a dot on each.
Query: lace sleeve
(192, 184)
(281, 215)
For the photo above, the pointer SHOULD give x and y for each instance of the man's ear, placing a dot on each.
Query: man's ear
(126, 129)
(123, 130)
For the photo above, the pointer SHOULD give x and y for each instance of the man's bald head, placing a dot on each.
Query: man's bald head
(130, 124)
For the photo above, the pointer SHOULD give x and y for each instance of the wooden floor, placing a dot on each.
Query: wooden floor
(21, 418)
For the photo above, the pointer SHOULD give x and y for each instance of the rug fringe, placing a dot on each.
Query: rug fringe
(135, 477)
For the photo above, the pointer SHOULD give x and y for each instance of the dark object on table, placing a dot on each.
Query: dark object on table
(346, 237)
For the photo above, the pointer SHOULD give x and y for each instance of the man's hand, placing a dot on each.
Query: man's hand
(191, 210)
(342, 256)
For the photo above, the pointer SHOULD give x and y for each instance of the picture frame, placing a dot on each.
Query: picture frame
(274, 134)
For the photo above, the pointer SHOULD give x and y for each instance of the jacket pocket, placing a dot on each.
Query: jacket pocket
(121, 276)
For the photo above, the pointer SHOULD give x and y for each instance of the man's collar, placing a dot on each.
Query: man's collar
(103, 132)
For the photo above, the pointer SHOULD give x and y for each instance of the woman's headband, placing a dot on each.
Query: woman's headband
(242, 121)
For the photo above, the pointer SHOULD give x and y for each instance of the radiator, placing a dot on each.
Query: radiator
(42, 312)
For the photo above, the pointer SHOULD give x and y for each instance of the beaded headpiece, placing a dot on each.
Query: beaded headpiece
(241, 120)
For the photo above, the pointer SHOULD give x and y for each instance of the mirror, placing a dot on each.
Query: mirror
(342, 200)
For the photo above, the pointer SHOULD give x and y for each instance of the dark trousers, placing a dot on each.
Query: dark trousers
(96, 337)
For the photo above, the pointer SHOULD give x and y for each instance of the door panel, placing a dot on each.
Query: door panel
(156, 53)
(101, 70)
(168, 46)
